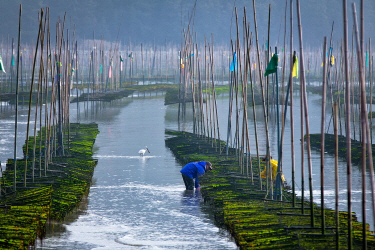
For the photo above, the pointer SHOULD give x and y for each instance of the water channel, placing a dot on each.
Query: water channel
(139, 202)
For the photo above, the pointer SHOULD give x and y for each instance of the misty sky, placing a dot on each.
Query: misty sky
(161, 22)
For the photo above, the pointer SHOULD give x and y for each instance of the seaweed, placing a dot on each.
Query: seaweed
(51, 196)
(238, 204)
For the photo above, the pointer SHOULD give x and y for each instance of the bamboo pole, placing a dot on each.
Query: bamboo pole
(278, 191)
(253, 105)
(244, 94)
(46, 121)
(364, 115)
(60, 107)
(41, 103)
(232, 74)
(291, 107)
(262, 91)
(322, 128)
(16, 109)
(41, 69)
(370, 77)
(306, 113)
(337, 238)
(267, 60)
(280, 162)
(214, 94)
(30, 96)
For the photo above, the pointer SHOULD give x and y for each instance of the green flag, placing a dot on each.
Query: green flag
(272, 65)
(2, 65)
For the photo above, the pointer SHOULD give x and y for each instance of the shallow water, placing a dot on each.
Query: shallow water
(137, 202)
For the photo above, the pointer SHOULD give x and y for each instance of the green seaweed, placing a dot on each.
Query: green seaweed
(239, 205)
(24, 213)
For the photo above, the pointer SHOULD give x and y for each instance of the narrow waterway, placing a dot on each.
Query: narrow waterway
(136, 202)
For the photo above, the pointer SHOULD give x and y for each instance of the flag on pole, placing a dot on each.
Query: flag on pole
(272, 65)
(233, 65)
(2, 65)
(121, 62)
(295, 68)
(332, 60)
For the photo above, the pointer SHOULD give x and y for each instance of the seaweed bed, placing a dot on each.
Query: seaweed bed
(53, 194)
(124, 92)
(329, 142)
(238, 204)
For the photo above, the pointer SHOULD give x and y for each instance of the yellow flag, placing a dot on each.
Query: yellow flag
(295, 68)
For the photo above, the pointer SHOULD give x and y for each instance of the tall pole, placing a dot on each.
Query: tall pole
(262, 90)
(347, 121)
(322, 133)
(60, 133)
(278, 193)
(306, 113)
(16, 119)
(291, 105)
(336, 177)
(364, 115)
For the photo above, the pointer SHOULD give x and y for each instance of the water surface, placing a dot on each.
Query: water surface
(137, 202)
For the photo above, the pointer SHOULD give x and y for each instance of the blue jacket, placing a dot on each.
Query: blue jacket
(193, 170)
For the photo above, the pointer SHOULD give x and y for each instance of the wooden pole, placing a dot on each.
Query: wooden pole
(370, 81)
(278, 191)
(262, 91)
(214, 92)
(253, 105)
(364, 115)
(336, 176)
(232, 73)
(16, 118)
(306, 113)
(280, 162)
(60, 114)
(322, 129)
(291, 107)
(30, 96)
(267, 60)
(347, 120)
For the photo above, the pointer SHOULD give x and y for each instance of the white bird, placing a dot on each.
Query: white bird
(143, 151)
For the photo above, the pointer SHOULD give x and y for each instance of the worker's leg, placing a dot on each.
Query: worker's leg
(189, 182)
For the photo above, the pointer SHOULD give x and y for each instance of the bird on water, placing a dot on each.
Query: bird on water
(143, 151)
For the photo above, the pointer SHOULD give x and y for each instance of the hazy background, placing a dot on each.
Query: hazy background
(161, 21)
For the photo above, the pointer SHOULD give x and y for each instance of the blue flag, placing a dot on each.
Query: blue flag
(233, 65)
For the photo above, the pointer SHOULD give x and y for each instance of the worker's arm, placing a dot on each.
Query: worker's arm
(197, 180)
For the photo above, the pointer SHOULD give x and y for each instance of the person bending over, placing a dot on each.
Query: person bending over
(192, 171)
